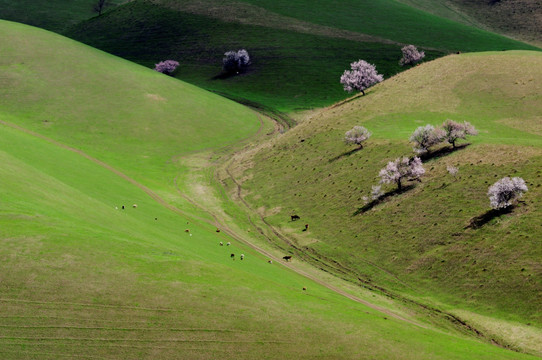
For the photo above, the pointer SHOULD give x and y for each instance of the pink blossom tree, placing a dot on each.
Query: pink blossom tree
(401, 169)
(455, 131)
(362, 76)
(426, 136)
(236, 61)
(411, 55)
(166, 67)
(506, 192)
(357, 135)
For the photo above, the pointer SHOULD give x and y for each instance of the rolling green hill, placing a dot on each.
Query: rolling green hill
(519, 19)
(417, 244)
(84, 133)
(299, 48)
(54, 15)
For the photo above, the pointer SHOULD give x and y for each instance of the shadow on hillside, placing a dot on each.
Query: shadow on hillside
(381, 199)
(480, 220)
(441, 152)
(348, 153)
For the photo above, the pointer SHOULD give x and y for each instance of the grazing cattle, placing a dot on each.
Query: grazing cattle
(304, 288)
(270, 261)
(306, 227)
(221, 243)
(228, 243)
(295, 217)
(217, 230)
(122, 207)
(134, 206)
(187, 230)
(232, 256)
(242, 256)
(287, 257)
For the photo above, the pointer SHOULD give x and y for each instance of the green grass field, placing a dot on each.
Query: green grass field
(417, 243)
(54, 15)
(392, 20)
(299, 49)
(82, 277)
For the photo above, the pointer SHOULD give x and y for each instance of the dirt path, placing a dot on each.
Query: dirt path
(223, 226)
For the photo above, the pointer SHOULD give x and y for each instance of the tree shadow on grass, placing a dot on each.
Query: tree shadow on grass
(348, 153)
(224, 75)
(381, 199)
(480, 220)
(442, 152)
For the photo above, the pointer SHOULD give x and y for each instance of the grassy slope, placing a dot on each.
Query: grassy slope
(82, 278)
(116, 110)
(55, 15)
(392, 20)
(520, 19)
(291, 70)
(419, 237)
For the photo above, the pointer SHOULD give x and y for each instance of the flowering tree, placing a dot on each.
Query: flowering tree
(454, 131)
(376, 192)
(401, 169)
(357, 136)
(236, 61)
(506, 192)
(426, 136)
(411, 55)
(362, 76)
(166, 67)
(452, 170)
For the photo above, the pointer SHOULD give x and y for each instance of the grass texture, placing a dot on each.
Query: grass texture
(82, 277)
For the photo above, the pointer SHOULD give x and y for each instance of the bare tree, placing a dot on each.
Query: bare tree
(100, 5)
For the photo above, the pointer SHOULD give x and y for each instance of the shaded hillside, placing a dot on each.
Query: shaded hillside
(54, 15)
(419, 242)
(520, 19)
(298, 50)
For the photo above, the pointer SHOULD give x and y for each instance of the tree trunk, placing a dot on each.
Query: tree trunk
(399, 184)
(363, 92)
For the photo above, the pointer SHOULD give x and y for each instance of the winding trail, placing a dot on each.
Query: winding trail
(225, 228)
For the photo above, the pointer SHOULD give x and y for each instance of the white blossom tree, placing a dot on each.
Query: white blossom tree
(376, 192)
(426, 136)
(411, 55)
(236, 61)
(362, 76)
(455, 131)
(401, 169)
(506, 192)
(357, 135)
